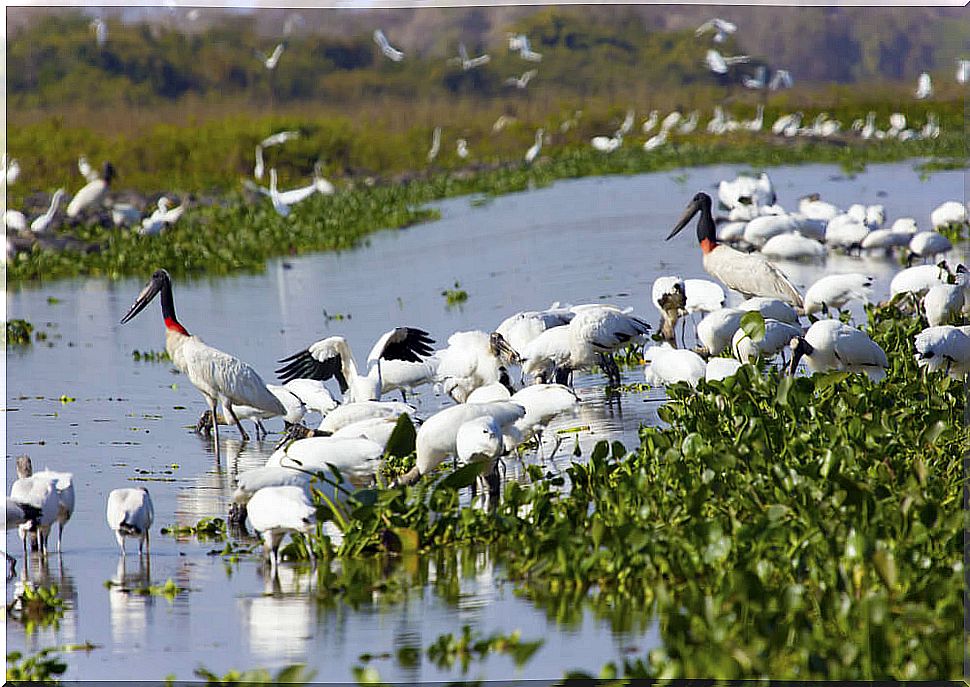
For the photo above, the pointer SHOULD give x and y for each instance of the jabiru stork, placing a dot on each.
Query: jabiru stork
(747, 273)
(219, 377)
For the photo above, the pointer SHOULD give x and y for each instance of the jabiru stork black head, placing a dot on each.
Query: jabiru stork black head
(160, 282)
(701, 203)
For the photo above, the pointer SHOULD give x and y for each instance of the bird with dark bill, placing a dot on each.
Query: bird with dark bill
(747, 273)
(219, 377)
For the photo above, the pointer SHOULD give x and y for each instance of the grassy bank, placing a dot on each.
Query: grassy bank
(233, 235)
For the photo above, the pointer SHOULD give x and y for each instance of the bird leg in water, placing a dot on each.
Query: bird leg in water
(204, 425)
(232, 414)
(237, 518)
(404, 396)
(215, 425)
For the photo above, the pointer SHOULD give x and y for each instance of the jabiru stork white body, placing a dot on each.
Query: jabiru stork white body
(831, 345)
(332, 358)
(747, 273)
(944, 348)
(93, 193)
(219, 377)
(835, 290)
(130, 513)
(275, 512)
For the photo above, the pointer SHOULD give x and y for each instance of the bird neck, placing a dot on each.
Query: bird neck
(168, 311)
(706, 233)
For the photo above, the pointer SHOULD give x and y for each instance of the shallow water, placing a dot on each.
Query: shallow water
(597, 239)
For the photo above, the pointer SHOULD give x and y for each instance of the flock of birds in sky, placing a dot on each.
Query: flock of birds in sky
(508, 384)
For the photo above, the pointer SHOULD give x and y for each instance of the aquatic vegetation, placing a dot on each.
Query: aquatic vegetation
(43, 666)
(37, 607)
(168, 589)
(828, 506)
(455, 295)
(295, 674)
(18, 332)
(150, 356)
(206, 529)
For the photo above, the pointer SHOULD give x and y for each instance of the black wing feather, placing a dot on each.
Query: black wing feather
(415, 345)
(302, 365)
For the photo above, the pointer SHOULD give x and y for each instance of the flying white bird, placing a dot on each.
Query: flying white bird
(832, 345)
(219, 377)
(279, 138)
(467, 63)
(782, 78)
(162, 217)
(130, 514)
(719, 64)
(721, 28)
(388, 51)
(758, 81)
(270, 61)
(924, 86)
(521, 82)
(332, 358)
(748, 273)
(520, 43)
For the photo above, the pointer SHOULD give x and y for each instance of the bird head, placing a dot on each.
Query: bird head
(799, 347)
(501, 348)
(158, 282)
(24, 466)
(700, 202)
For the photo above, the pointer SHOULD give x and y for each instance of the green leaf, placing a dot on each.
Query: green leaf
(753, 324)
(403, 438)
(463, 476)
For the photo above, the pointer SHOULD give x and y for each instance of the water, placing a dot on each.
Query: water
(598, 239)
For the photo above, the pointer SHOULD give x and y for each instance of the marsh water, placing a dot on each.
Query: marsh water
(79, 402)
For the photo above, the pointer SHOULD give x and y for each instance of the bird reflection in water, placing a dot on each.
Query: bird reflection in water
(278, 625)
(129, 611)
(45, 572)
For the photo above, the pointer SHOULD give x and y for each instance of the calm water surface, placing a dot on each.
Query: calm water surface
(597, 239)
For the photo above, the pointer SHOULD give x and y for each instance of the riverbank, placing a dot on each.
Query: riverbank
(234, 234)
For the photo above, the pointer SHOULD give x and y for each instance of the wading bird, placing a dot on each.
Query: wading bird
(63, 487)
(747, 273)
(435, 144)
(331, 358)
(44, 222)
(219, 377)
(37, 499)
(835, 290)
(533, 152)
(130, 514)
(944, 348)
(87, 171)
(276, 511)
(93, 193)
(473, 359)
(831, 345)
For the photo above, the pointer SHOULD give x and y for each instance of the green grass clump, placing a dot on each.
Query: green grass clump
(18, 332)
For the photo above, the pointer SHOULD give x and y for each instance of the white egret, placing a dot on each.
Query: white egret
(520, 43)
(44, 222)
(435, 144)
(606, 144)
(11, 170)
(656, 141)
(924, 86)
(533, 152)
(748, 273)
(219, 377)
(100, 31)
(130, 514)
(690, 124)
(279, 138)
(162, 217)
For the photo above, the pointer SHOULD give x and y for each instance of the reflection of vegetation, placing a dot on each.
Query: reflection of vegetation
(18, 332)
(169, 589)
(784, 526)
(37, 607)
(296, 674)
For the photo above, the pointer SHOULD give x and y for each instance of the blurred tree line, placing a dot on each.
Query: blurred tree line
(55, 60)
